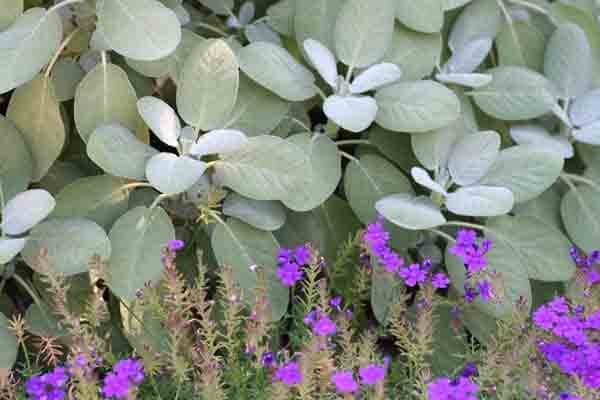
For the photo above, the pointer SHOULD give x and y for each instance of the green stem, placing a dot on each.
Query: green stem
(356, 141)
(577, 178)
(211, 28)
(25, 285)
(2, 203)
(442, 234)
(531, 6)
(155, 387)
(63, 45)
(64, 4)
(348, 156)
(160, 198)
(302, 124)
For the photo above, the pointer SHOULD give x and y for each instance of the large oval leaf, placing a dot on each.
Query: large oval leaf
(472, 156)
(423, 16)
(528, 48)
(543, 250)
(481, 18)
(105, 96)
(353, 113)
(161, 119)
(324, 175)
(219, 141)
(16, 166)
(585, 109)
(241, 247)
(257, 110)
(27, 45)
(384, 292)
(370, 180)
(25, 210)
(568, 61)
(580, 210)
(526, 170)
(66, 76)
(263, 215)
(9, 344)
(208, 85)
(171, 174)
(98, 198)
(363, 31)
(415, 53)
(139, 29)
(265, 168)
(433, 148)
(137, 240)
(9, 248)
(117, 151)
(315, 19)
(410, 212)
(480, 201)
(274, 68)
(516, 93)
(416, 106)
(36, 112)
(71, 245)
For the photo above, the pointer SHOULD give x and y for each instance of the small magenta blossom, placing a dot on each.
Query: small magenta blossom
(126, 375)
(49, 386)
(413, 275)
(176, 245)
(376, 238)
(289, 374)
(440, 281)
(473, 255)
(324, 326)
(291, 262)
(344, 382)
(445, 389)
(290, 273)
(371, 374)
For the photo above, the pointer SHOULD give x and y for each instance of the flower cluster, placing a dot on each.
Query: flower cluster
(49, 386)
(289, 374)
(321, 324)
(573, 346)
(377, 238)
(446, 389)
(126, 375)
(291, 262)
(473, 255)
(588, 265)
(345, 382)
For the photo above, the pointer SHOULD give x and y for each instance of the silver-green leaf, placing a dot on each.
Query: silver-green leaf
(138, 239)
(410, 212)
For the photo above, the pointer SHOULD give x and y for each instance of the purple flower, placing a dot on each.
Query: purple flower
(284, 256)
(469, 370)
(324, 326)
(413, 275)
(470, 293)
(310, 318)
(49, 386)
(303, 255)
(371, 374)
(568, 396)
(336, 302)
(268, 359)
(485, 290)
(377, 240)
(176, 245)
(440, 281)
(444, 389)
(290, 273)
(126, 375)
(289, 374)
(544, 318)
(391, 261)
(344, 382)
(472, 254)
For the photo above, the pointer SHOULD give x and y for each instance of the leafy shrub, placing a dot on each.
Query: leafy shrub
(462, 132)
